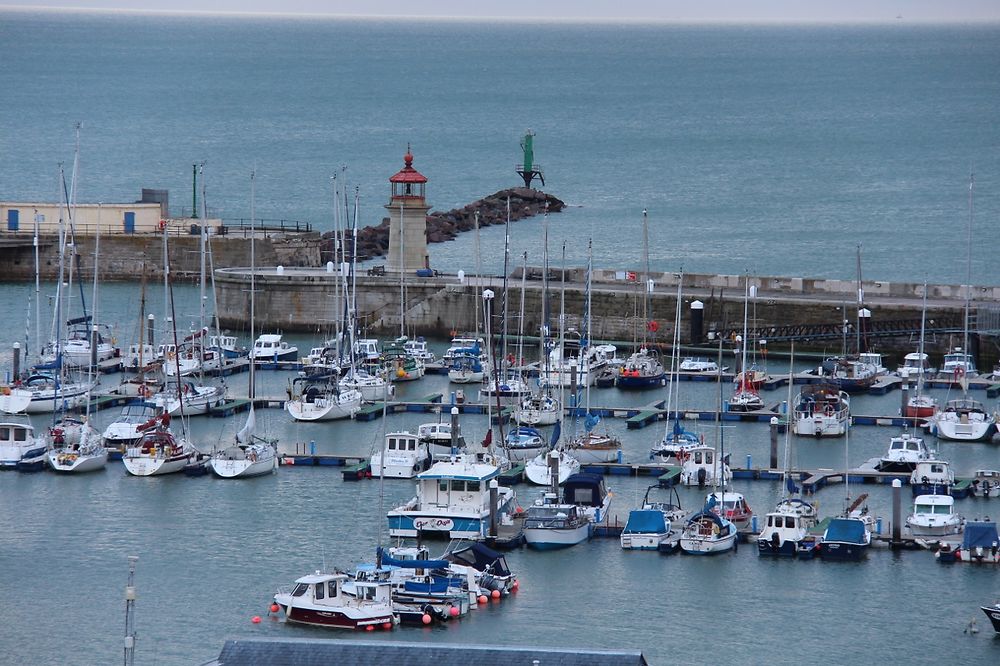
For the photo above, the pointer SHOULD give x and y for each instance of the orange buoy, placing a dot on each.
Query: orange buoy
(255, 619)
(426, 619)
(275, 608)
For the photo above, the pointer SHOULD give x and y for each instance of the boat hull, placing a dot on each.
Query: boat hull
(786, 548)
(554, 539)
(641, 382)
(936, 529)
(242, 469)
(323, 410)
(147, 466)
(335, 619)
(67, 462)
(843, 551)
(709, 546)
(993, 613)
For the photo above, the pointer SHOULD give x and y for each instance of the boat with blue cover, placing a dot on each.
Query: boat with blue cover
(845, 539)
(524, 443)
(980, 543)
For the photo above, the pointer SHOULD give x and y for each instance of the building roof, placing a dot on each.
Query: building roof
(408, 174)
(314, 652)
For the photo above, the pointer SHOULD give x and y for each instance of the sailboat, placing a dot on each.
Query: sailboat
(919, 405)
(643, 368)
(746, 398)
(786, 529)
(250, 455)
(965, 419)
(677, 442)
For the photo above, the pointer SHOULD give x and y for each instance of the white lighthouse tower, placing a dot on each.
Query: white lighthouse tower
(407, 220)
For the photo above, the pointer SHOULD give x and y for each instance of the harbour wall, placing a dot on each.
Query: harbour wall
(305, 300)
(127, 256)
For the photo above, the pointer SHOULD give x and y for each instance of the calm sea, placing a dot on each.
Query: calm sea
(770, 149)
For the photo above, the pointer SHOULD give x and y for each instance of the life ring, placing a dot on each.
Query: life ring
(143, 391)
(828, 410)
(162, 225)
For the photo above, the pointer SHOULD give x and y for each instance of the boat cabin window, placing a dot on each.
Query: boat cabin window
(896, 445)
(300, 589)
(770, 521)
(392, 444)
(20, 434)
(366, 592)
(937, 469)
(443, 486)
(472, 486)
(320, 591)
(331, 588)
(5, 434)
(789, 521)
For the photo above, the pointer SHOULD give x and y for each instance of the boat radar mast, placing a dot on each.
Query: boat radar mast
(528, 170)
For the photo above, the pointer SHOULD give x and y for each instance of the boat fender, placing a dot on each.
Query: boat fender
(702, 476)
(924, 479)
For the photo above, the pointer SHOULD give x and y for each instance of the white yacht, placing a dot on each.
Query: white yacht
(821, 411)
(701, 466)
(269, 347)
(20, 449)
(934, 516)
(905, 451)
(81, 452)
(403, 456)
(963, 420)
(43, 394)
(158, 451)
(321, 400)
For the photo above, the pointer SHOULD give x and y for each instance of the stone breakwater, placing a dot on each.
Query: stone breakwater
(524, 202)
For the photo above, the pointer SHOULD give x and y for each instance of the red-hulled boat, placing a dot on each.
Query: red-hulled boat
(319, 599)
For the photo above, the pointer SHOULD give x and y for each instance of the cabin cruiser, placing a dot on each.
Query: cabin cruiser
(403, 456)
(642, 369)
(270, 348)
(319, 599)
(437, 436)
(549, 525)
(787, 527)
(700, 364)
(905, 451)
(821, 410)
(575, 358)
(733, 507)
(20, 449)
(934, 516)
(196, 398)
(76, 348)
(452, 501)
(417, 349)
(461, 346)
(957, 365)
(993, 613)
(932, 477)
(914, 365)
(510, 387)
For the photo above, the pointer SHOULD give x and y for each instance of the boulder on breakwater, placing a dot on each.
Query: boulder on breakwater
(441, 227)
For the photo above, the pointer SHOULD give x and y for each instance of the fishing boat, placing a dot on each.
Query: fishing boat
(452, 501)
(786, 528)
(75, 447)
(641, 370)
(964, 420)
(417, 349)
(821, 410)
(700, 466)
(708, 533)
(932, 477)
(158, 451)
(367, 350)
(980, 543)
(20, 449)
(915, 364)
(934, 516)
(318, 599)
(270, 348)
(905, 451)
(958, 364)
(402, 456)
(321, 400)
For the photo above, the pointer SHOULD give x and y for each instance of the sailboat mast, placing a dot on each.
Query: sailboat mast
(476, 291)
(38, 294)
(337, 262)
(353, 316)
(506, 268)
(645, 279)
(520, 320)
(253, 274)
(201, 282)
(786, 472)
(543, 340)
(861, 305)
(93, 299)
(968, 281)
(590, 271)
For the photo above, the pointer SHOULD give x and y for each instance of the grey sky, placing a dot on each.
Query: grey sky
(683, 10)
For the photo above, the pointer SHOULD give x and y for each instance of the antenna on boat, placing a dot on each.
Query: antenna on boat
(130, 597)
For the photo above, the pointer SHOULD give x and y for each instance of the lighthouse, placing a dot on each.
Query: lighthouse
(407, 220)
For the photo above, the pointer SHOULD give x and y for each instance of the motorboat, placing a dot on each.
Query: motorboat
(934, 516)
(700, 364)
(524, 443)
(845, 539)
(821, 410)
(641, 370)
(321, 400)
(958, 364)
(318, 599)
(403, 456)
(227, 346)
(575, 358)
(655, 525)
(588, 492)
(43, 394)
(419, 585)
(538, 470)
(538, 410)
(196, 398)
(158, 451)
(915, 364)
(701, 466)
(787, 527)
(417, 349)
(270, 348)
(708, 533)
(122, 432)
(874, 359)
(920, 406)
(367, 350)
(963, 420)
(75, 349)
(980, 543)
(905, 451)
(452, 501)
(75, 447)
(461, 345)
(549, 525)
(20, 449)
(986, 483)
(733, 507)
(437, 436)
(932, 477)
(491, 566)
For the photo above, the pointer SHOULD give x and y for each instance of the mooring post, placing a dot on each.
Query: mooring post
(904, 393)
(494, 496)
(17, 361)
(93, 347)
(554, 471)
(454, 432)
(150, 334)
(897, 510)
(774, 443)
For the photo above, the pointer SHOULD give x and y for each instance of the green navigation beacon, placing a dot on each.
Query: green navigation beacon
(528, 170)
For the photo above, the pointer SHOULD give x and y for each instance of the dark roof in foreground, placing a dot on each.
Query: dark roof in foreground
(310, 652)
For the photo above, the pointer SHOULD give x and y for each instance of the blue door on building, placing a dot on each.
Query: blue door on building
(130, 222)
(12, 220)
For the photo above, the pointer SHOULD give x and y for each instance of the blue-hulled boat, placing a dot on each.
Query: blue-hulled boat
(845, 539)
(786, 528)
(642, 369)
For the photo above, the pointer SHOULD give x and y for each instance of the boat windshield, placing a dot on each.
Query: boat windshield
(300, 589)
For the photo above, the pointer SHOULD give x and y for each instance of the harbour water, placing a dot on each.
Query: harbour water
(738, 140)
